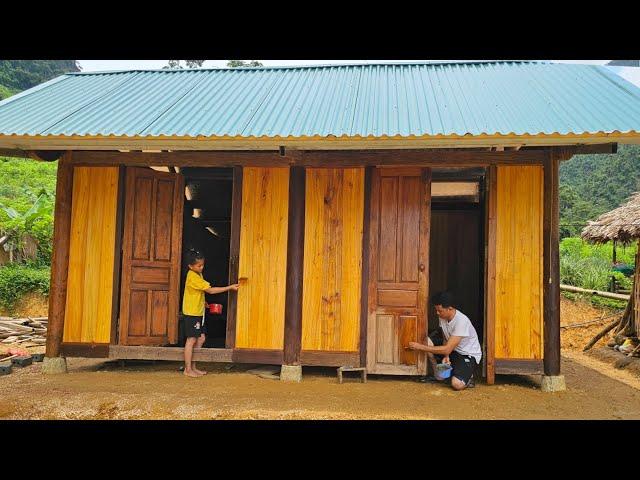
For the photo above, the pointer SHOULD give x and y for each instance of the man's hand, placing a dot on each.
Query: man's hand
(234, 287)
(415, 346)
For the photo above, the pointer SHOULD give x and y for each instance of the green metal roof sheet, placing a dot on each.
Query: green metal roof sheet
(370, 100)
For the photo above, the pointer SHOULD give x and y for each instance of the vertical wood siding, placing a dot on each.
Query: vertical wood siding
(263, 258)
(334, 209)
(518, 286)
(91, 256)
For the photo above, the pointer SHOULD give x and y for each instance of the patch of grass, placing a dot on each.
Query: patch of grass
(596, 301)
(17, 280)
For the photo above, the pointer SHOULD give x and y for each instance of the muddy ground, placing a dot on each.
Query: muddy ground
(95, 389)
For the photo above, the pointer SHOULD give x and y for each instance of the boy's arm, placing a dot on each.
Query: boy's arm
(214, 290)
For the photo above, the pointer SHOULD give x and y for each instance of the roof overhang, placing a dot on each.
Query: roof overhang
(175, 143)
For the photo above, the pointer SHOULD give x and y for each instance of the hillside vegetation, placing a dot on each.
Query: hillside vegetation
(591, 185)
(18, 75)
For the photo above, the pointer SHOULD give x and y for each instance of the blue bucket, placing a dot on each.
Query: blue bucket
(443, 371)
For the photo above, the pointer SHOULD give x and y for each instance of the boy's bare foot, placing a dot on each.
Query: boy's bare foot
(191, 373)
(199, 372)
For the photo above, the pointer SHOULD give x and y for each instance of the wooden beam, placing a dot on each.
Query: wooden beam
(597, 148)
(124, 352)
(551, 265)
(516, 366)
(247, 355)
(46, 155)
(313, 158)
(330, 359)
(60, 258)
(295, 266)
(490, 290)
(364, 285)
(234, 255)
(5, 152)
(85, 350)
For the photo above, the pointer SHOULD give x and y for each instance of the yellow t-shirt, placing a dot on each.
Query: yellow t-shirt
(193, 300)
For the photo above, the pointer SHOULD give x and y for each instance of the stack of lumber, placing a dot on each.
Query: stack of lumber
(23, 330)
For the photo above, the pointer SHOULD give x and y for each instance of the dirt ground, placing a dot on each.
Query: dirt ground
(95, 389)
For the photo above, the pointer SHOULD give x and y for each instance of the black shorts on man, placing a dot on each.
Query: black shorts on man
(193, 326)
(463, 365)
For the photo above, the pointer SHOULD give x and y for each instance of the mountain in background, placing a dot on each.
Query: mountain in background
(18, 75)
(591, 185)
(624, 63)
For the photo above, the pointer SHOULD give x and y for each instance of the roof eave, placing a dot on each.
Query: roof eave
(50, 142)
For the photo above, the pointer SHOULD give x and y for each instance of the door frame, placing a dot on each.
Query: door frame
(127, 245)
(372, 309)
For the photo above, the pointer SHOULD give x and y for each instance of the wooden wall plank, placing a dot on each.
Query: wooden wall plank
(518, 282)
(89, 300)
(333, 260)
(263, 258)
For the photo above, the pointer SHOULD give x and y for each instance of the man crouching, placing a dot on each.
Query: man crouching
(460, 346)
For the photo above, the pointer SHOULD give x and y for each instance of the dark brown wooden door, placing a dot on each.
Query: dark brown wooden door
(398, 268)
(151, 249)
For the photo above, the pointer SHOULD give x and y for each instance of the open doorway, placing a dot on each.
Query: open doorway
(456, 257)
(207, 228)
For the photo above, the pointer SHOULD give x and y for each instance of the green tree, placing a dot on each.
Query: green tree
(176, 65)
(243, 64)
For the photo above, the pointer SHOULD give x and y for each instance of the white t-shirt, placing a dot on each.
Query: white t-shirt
(460, 326)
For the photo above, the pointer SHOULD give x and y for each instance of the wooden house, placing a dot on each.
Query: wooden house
(339, 197)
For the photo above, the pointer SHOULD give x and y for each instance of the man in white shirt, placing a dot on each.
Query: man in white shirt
(460, 346)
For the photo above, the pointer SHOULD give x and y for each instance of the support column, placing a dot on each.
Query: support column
(53, 363)
(292, 369)
(552, 380)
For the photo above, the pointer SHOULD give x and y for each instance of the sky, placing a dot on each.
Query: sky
(100, 65)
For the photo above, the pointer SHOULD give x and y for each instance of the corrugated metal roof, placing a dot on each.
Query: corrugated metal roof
(371, 100)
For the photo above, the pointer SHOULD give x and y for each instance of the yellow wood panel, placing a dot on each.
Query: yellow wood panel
(334, 207)
(519, 251)
(91, 257)
(263, 258)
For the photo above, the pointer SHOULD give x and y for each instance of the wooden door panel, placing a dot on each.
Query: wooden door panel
(385, 341)
(397, 298)
(398, 280)
(407, 332)
(151, 257)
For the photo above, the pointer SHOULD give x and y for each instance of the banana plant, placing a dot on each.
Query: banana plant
(23, 222)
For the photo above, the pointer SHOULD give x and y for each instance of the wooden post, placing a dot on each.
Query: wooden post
(234, 256)
(636, 292)
(295, 265)
(60, 260)
(490, 290)
(551, 268)
(364, 286)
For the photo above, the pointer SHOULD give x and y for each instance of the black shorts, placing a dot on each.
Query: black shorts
(463, 365)
(193, 326)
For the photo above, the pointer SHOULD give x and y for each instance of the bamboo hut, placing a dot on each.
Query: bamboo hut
(621, 225)
(339, 197)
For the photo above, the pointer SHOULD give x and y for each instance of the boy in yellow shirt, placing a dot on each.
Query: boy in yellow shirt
(193, 305)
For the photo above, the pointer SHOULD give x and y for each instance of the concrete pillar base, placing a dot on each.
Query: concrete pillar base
(54, 365)
(291, 373)
(553, 383)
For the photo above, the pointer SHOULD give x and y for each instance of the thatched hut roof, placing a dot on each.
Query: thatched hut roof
(621, 224)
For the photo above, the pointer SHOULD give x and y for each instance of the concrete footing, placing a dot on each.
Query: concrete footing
(553, 383)
(291, 373)
(54, 365)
